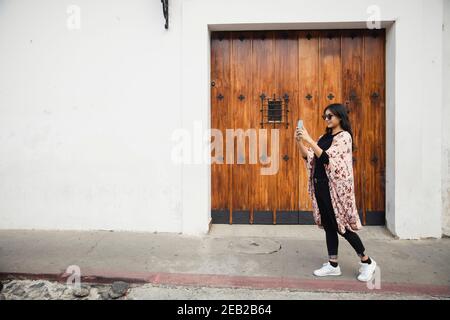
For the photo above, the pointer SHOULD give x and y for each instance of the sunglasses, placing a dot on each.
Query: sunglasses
(327, 116)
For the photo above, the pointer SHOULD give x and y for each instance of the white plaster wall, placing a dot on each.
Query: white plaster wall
(87, 116)
(446, 123)
(390, 126)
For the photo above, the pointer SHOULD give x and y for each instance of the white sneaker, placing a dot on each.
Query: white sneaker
(366, 270)
(361, 266)
(328, 270)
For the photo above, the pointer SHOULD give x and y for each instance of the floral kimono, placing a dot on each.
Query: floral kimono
(340, 174)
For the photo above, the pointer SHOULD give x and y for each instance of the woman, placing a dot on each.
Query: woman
(329, 163)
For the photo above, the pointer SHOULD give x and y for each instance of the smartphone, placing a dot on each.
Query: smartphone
(300, 124)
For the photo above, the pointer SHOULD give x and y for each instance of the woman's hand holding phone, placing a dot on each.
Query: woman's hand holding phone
(302, 134)
(297, 134)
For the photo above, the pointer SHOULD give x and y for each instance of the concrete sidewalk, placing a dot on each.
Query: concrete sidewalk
(238, 256)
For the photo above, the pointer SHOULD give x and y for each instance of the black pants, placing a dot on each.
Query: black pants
(329, 223)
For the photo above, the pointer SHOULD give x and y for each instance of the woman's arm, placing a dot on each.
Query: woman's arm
(303, 150)
(303, 134)
(317, 150)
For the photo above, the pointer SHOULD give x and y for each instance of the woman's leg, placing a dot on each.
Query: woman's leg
(332, 244)
(326, 215)
(330, 226)
(356, 243)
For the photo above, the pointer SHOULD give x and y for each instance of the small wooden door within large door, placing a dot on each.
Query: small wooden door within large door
(312, 69)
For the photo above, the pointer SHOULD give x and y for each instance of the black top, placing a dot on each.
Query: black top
(324, 143)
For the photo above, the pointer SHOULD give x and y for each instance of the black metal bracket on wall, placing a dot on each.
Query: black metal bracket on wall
(165, 5)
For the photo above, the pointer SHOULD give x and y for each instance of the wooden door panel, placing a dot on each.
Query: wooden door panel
(374, 121)
(329, 72)
(286, 79)
(241, 103)
(221, 116)
(308, 70)
(352, 83)
(265, 195)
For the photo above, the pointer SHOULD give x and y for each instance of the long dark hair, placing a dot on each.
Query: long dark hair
(341, 112)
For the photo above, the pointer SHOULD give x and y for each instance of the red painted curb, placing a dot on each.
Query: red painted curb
(251, 282)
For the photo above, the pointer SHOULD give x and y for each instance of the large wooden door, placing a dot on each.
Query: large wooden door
(313, 69)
